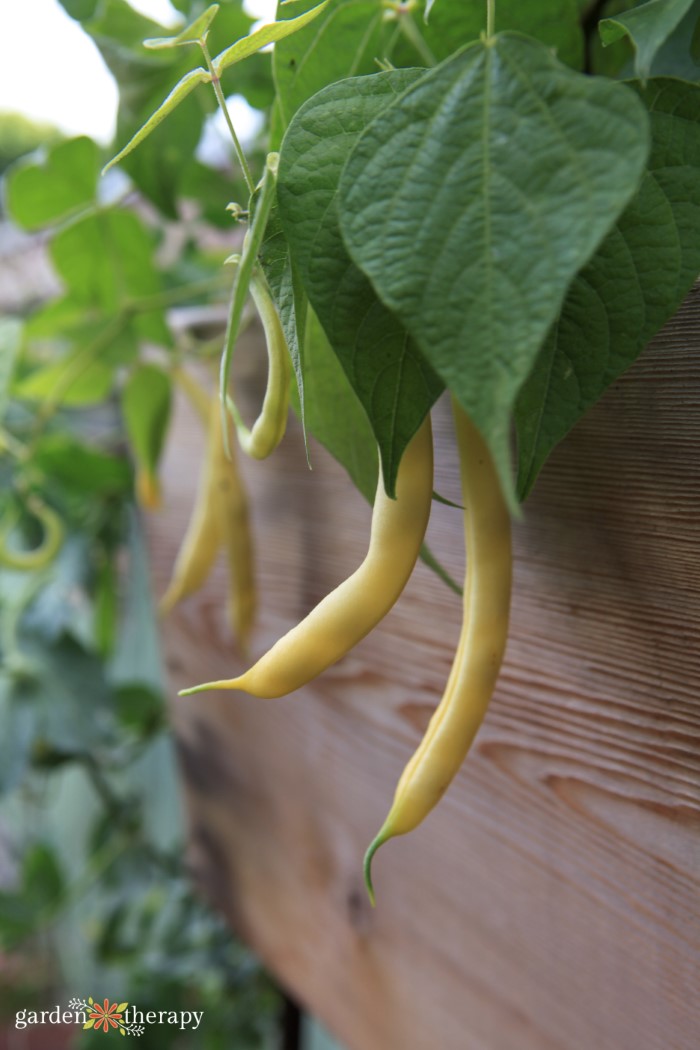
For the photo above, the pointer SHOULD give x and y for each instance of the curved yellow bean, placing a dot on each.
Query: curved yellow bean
(203, 537)
(47, 550)
(480, 650)
(268, 430)
(348, 613)
(220, 518)
(234, 526)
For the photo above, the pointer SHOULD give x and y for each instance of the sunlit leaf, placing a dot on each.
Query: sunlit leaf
(268, 34)
(181, 90)
(40, 192)
(191, 34)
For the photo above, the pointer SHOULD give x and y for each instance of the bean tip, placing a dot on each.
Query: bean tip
(367, 865)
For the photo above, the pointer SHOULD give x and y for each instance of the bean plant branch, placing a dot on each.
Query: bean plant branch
(216, 84)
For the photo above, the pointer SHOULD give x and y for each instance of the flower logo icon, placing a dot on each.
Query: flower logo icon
(106, 1016)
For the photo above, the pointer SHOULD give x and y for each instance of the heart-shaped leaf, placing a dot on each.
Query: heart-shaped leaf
(512, 168)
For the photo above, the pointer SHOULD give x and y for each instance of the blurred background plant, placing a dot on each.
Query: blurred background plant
(94, 892)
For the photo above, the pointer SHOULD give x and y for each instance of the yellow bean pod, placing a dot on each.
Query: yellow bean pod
(480, 650)
(268, 430)
(203, 537)
(39, 557)
(234, 526)
(348, 613)
(220, 519)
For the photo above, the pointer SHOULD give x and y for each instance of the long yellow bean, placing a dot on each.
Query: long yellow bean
(480, 650)
(203, 537)
(350, 612)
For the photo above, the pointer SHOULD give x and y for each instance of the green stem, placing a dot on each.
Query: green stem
(216, 84)
(9, 443)
(490, 18)
(172, 296)
(414, 36)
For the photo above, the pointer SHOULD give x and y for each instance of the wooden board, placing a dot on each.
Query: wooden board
(552, 901)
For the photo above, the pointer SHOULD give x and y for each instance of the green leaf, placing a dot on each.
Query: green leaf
(191, 34)
(632, 285)
(146, 402)
(17, 732)
(106, 261)
(43, 192)
(392, 379)
(334, 415)
(268, 34)
(81, 468)
(647, 26)
(555, 23)
(136, 660)
(513, 168)
(80, 382)
(145, 78)
(182, 89)
(288, 294)
(80, 9)
(344, 41)
(42, 878)
(679, 56)
(10, 345)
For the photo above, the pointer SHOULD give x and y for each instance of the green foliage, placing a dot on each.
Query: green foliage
(447, 210)
(19, 135)
(146, 400)
(632, 285)
(391, 378)
(648, 27)
(51, 189)
(498, 154)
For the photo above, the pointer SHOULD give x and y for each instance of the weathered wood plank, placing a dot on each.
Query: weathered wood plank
(552, 901)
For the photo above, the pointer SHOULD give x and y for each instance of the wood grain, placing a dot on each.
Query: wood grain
(552, 901)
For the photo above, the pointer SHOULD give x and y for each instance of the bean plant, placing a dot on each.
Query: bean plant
(501, 201)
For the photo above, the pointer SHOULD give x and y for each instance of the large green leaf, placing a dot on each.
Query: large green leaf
(631, 286)
(392, 379)
(41, 192)
(513, 168)
(648, 26)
